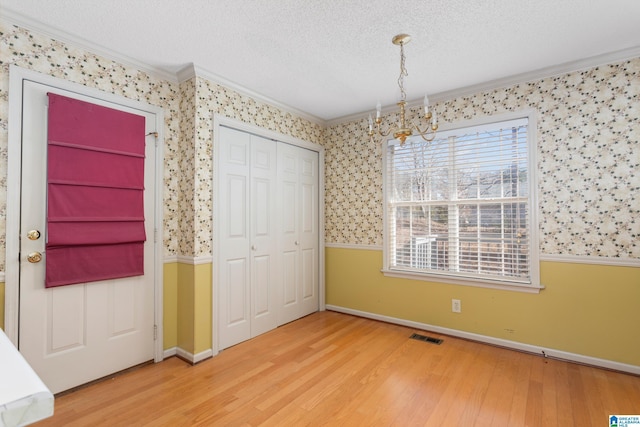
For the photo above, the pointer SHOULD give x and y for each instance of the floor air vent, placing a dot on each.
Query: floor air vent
(426, 339)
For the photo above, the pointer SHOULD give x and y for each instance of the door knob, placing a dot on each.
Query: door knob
(34, 257)
(297, 243)
(253, 247)
(33, 234)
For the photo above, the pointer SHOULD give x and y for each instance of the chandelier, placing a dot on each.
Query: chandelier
(402, 130)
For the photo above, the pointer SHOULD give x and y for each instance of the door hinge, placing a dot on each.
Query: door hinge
(155, 136)
(155, 235)
(155, 332)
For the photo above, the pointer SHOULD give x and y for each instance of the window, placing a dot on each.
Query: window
(462, 207)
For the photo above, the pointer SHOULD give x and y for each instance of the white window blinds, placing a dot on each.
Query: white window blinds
(460, 205)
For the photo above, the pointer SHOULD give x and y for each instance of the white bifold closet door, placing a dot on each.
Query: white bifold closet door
(298, 185)
(248, 237)
(268, 238)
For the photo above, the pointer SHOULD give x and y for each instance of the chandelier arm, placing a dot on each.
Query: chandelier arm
(384, 133)
(428, 134)
(378, 130)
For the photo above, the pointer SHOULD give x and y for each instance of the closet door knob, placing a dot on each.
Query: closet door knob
(297, 243)
(253, 248)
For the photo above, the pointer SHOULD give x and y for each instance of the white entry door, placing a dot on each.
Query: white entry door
(74, 334)
(248, 270)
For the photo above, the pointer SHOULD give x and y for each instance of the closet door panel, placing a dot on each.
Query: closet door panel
(264, 268)
(236, 207)
(290, 280)
(234, 255)
(289, 243)
(309, 274)
(289, 210)
(261, 290)
(308, 231)
(236, 282)
(298, 183)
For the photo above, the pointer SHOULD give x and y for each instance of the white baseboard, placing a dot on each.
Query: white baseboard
(557, 354)
(193, 358)
(170, 352)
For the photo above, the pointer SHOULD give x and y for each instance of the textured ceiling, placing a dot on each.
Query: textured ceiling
(331, 58)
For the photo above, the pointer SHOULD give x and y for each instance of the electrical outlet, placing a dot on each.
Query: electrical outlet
(456, 307)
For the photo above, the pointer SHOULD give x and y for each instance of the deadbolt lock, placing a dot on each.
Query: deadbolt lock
(33, 235)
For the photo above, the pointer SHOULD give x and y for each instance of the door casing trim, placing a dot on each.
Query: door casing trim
(14, 169)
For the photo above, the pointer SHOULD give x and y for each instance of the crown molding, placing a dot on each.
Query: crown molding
(555, 70)
(14, 18)
(185, 73)
(193, 70)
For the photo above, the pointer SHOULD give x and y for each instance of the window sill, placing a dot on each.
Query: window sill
(437, 278)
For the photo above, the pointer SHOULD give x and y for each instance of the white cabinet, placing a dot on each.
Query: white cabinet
(267, 263)
(24, 399)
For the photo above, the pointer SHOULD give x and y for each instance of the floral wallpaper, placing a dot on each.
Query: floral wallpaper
(187, 153)
(189, 108)
(588, 162)
(588, 141)
(214, 98)
(42, 54)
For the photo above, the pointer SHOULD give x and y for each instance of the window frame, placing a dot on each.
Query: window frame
(534, 285)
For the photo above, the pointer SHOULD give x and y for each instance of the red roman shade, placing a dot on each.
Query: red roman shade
(95, 190)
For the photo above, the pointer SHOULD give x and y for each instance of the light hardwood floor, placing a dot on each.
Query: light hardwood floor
(338, 370)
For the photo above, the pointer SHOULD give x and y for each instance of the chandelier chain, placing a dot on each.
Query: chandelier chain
(403, 73)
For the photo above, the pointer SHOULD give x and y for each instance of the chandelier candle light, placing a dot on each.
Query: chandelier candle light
(403, 130)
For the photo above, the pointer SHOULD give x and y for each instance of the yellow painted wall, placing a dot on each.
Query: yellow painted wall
(202, 308)
(194, 307)
(170, 305)
(185, 301)
(585, 309)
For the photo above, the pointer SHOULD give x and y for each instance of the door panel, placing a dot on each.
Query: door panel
(298, 180)
(308, 273)
(264, 272)
(66, 310)
(236, 207)
(237, 285)
(77, 333)
(122, 308)
(263, 287)
(308, 183)
(289, 227)
(235, 320)
(290, 278)
(289, 223)
(247, 175)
